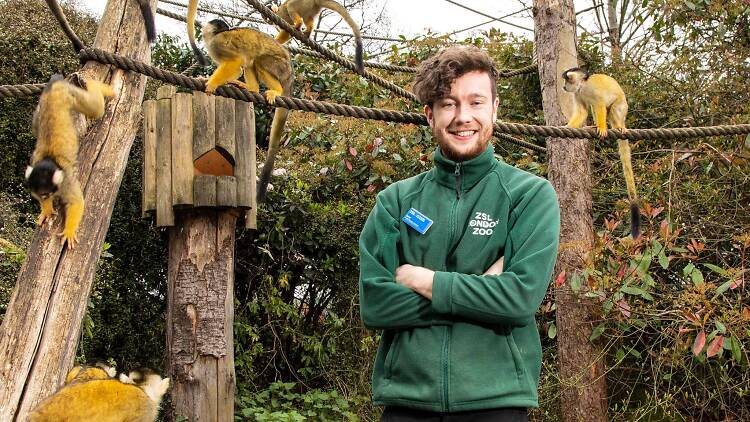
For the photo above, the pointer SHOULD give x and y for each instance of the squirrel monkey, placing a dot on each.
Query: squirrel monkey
(82, 373)
(53, 170)
(103, 400)
(148, 20)
(297, 12)
(604, 96)
(192, 11)
(261, 58)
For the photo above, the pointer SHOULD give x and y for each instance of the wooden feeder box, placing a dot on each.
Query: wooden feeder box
(199, 151)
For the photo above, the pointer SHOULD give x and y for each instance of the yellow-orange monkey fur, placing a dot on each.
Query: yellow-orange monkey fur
(81, 373)
(297, 12)
(103, 400)
(53, 170)
(606, 99)
(261, 58)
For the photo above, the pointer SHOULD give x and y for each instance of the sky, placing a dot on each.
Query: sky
(409, 18)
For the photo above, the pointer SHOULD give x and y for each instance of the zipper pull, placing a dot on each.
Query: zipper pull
(457, 173)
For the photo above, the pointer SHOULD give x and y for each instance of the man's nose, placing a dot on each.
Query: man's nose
(463, 114)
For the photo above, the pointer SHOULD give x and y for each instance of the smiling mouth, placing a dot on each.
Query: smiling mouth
(463, 133)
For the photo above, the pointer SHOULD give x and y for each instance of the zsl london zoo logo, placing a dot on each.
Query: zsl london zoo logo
(482, 224)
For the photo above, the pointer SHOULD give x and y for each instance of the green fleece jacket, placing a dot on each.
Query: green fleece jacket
(475, 345)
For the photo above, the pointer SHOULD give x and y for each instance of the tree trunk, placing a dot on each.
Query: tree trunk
(614, 32)
(583, 385)
(200, 315)
(39, 334)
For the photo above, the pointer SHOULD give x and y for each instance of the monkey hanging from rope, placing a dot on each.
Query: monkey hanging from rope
(605, 97)
(261, 58)
(53, 171)
(297, 12)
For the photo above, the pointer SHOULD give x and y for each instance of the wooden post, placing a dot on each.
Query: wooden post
(149, 157)
(583, 385)
(200, 314)
(204, 165)
(40, 331)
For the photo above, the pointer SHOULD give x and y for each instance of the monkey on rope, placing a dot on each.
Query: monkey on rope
(605, 97)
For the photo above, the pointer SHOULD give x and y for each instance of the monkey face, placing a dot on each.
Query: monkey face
(44, 179)
(462, 122)
(574, 78)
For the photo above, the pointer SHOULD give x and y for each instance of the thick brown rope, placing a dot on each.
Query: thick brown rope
(506, 73)
(231, 91)
(25, 90)
(278, 21)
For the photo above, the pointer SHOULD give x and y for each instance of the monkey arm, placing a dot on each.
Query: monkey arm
(90, 102)
(580, 114)
(73, 199)
(227, 71)
(274, 86)
(48, 210)
(600, 119)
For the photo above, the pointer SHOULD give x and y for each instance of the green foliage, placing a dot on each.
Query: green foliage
(281, 403)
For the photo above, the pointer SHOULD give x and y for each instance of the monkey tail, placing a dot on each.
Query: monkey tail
(63, 21)
(358, 54)
(274, 145)
(623, 147)
(148, 20)
(192, 11)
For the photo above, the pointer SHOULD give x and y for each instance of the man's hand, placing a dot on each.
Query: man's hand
(416, 278)
(496, 268)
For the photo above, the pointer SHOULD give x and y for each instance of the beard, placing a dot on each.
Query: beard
(462, 155)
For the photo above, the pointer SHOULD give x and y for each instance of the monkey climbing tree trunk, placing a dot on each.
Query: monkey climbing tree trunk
(200, 314)
(40, 331)
(583, 386)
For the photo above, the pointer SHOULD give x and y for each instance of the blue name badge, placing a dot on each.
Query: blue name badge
(417, 221)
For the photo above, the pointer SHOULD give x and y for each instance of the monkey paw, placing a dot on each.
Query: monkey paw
(46, 217)
(70, 237)
(271, 95)
(602, 132)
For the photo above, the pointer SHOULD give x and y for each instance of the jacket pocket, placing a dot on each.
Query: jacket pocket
(392, 355)
(516, 354)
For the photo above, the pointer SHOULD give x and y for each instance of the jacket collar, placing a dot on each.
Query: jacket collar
(463, 176)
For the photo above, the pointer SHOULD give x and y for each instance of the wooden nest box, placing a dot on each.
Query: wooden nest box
(198, 151)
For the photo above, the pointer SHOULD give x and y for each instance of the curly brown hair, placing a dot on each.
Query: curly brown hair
(436, 74)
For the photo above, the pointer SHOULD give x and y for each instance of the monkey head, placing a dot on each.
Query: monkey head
(574, 78)
(214, 27)
(44, 178)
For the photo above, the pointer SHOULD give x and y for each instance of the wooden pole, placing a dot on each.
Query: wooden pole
(583, 385)
(200, 314)
(40, 331)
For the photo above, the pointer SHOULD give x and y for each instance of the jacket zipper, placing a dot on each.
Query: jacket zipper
(457, 173)
(447, 338)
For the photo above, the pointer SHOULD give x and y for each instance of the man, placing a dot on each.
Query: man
(459, 342)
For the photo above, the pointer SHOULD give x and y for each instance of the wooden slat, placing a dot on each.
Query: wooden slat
(245, 158)
(226, 191)
(225, 125)
(204, 191)
(164, 211)
(204, 129)
(148, 199)
(182, 150)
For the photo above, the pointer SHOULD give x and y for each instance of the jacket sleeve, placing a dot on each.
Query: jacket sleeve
(385, 304)
(512, 297)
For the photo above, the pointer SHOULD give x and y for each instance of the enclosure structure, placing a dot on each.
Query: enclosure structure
(198, 176)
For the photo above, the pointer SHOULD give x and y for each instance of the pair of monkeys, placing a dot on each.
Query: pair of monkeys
(93, 394)
(259, 57)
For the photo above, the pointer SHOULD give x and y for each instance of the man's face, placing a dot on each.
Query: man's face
(462, 122)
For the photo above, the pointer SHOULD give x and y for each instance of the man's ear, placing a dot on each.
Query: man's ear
(495, 105)
(428, 114)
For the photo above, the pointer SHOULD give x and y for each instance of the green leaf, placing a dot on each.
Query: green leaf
(620, 355)
(663, 260)
(736, 349)
(552, 331)
(645, 262)
(723, 288)
(632, 290)
(598, 330)
(717, 269)
(719, 326)
(575, 282)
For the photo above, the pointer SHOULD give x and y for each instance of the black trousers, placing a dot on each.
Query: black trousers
(401, 414)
